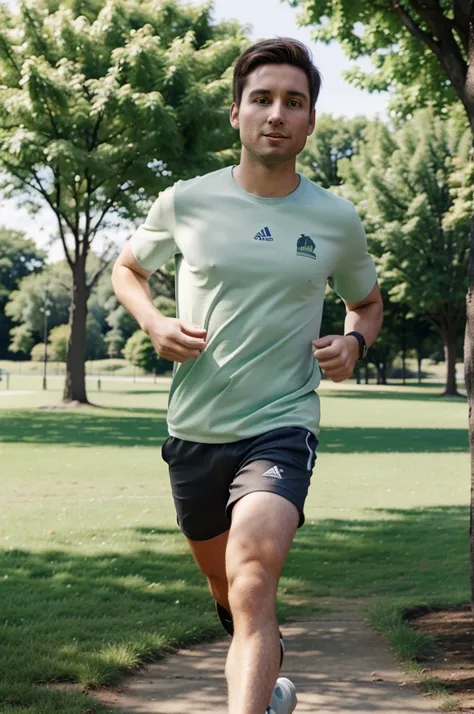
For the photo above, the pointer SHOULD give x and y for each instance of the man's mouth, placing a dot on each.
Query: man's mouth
(276, 135)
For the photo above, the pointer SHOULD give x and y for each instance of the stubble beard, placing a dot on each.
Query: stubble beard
(270, 158)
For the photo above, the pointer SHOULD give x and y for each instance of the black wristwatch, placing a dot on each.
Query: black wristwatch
(363, 349)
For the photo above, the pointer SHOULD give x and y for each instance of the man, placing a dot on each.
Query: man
(255, 245)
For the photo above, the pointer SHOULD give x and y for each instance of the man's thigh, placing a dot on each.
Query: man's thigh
(262, 530)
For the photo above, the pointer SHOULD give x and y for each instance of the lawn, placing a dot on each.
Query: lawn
(96, 578)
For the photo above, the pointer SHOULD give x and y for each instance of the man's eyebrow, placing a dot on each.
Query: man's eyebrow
(290, 92)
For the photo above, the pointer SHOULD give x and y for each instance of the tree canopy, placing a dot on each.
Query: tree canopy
(102, 105)
(419, 50)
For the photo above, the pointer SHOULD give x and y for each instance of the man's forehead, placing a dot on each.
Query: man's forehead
(278, 76)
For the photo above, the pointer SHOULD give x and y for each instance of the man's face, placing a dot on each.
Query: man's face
(274, 117)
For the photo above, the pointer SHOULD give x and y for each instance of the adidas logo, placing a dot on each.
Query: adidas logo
(264, 234)
(274, 472)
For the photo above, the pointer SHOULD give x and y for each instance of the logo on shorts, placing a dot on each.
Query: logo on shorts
(274, 472)
(305, 246)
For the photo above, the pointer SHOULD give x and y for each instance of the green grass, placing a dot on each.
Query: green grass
(95, 577)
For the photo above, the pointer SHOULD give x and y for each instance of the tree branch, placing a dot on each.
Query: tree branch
(461, 21)
(98, 273)
(416, 30)
(112, 200)
(95, 133)
(60, 223)
(441, 40)
(9, 54)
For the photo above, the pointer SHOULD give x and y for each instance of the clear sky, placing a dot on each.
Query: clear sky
(267, 18)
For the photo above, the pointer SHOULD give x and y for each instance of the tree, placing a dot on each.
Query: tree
(404, 182)
(424, 50)
(19, 257)
(333, 140)
(59, 340)
(98, 108)
(49, 289)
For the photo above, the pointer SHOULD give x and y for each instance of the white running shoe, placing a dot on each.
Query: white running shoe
(283, 698)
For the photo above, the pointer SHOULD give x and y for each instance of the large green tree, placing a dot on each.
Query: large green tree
(103, 103)
(402, 183)
(423, 50)
(19, 257)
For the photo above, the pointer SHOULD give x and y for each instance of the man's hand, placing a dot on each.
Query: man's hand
(337, 355)
(176, 340)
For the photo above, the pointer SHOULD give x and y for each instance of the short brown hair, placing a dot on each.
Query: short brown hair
(282, 50)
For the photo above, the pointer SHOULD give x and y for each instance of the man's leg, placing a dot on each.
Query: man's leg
(210, 557)
(262, 530)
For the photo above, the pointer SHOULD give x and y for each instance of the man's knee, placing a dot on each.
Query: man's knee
(251, 589)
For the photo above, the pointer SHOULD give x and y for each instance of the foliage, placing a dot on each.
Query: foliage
(96, 347)
(37, 353)
(59, 339)
(335, 138)
(19, 257)
(51, 289)
(48, 290)
(140, 352)
(418, 50)
(403, 184)
(98, 109)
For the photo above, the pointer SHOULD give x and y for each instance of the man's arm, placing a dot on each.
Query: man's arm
(337, 354)
(173, 339)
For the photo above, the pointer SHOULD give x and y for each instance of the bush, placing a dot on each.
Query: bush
(37, 353)
(59, 339)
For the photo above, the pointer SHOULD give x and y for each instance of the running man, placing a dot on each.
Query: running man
(255, 245)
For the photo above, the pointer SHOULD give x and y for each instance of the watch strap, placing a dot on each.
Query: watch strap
(362, 343)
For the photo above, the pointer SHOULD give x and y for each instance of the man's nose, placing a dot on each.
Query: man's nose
(276, 114)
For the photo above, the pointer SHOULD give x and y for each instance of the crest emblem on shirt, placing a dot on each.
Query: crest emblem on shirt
(305, 246)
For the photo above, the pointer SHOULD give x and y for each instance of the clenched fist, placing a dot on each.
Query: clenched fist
(337, 355)
(175, 339)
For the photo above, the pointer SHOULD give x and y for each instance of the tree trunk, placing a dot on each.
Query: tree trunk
(420, 373)
(469, 379)
(404, 351)
(75, 385)
(449, 337)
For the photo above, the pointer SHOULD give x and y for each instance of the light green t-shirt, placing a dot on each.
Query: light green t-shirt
(252, 271)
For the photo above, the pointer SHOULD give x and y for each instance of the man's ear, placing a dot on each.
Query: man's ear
(312, 122)
(234, 116)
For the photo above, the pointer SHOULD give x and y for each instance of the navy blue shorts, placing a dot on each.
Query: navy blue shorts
(207, 480)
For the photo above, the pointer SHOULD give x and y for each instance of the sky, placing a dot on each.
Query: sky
(268, 18)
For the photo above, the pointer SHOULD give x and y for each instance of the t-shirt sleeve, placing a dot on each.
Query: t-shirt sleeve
(153, 242)
(354, 276)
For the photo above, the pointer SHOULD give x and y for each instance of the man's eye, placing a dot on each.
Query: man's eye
(261, 100)
(294, 103)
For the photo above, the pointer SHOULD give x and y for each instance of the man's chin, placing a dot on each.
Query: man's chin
(273, 158)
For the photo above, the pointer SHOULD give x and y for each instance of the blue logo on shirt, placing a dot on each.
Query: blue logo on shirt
(306, 247)
(264, 234)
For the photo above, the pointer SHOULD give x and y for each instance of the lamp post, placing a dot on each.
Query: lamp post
(46, 312)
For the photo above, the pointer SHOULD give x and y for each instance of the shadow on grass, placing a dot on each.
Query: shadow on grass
(351, 440)
(399, 395)
(142, 428)
(87, 618)
(119, 427)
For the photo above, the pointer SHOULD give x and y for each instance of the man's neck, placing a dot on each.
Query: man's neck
(266, 181)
